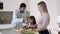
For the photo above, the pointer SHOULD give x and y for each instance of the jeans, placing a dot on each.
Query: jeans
(44, 32)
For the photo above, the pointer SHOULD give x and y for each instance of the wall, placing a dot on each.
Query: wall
(58, 7)
(1, 0)
(10, 5)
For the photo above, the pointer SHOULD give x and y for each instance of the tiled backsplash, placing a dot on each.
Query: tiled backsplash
(6, 17)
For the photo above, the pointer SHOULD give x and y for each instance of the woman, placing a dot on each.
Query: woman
(44, 18)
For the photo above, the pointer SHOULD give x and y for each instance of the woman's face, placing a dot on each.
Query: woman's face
(40, 8)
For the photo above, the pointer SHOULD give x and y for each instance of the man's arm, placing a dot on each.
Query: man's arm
(15, 19)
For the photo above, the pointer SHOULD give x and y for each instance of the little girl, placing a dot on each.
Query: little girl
(32, 23)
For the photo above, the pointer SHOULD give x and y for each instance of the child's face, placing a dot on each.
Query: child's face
(31, 20)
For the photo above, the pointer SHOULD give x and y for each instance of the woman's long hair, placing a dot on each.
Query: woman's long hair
(43, 4)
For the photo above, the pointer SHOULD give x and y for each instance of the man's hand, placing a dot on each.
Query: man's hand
(25, 18)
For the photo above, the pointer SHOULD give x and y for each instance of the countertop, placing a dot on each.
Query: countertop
(4, 26)
(6, 29)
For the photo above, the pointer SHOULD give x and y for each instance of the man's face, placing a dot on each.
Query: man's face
(22, 9)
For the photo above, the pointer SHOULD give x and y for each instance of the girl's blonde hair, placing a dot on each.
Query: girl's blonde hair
(43, 4)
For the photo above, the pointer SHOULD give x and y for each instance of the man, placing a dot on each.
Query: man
(20, 16)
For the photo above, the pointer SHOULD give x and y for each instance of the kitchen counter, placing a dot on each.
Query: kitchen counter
(12, 31)
(9, 31)
(6, 29)
(4, 26)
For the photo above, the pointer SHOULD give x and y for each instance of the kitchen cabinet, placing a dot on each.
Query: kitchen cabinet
(5, 17)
